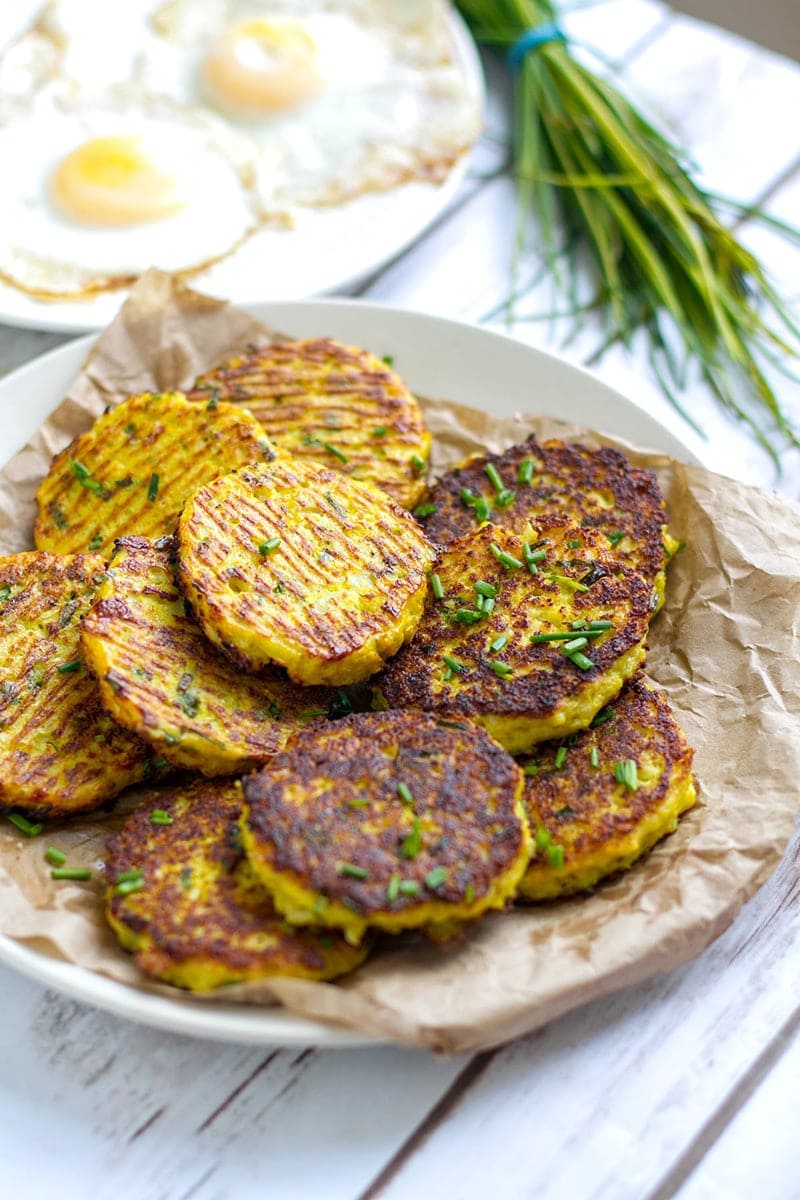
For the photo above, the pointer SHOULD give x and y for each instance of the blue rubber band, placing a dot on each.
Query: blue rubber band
(531, 39)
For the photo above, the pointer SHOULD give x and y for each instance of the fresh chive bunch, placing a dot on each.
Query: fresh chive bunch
(600, 179)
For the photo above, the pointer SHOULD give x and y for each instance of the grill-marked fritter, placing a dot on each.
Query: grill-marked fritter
(161, 677)
(531, 482)
(60, 752)
(133, 470)
(601, 801)
(473, 655)
(293, 564)
(341, 405)
(185, 901)
(387, 820)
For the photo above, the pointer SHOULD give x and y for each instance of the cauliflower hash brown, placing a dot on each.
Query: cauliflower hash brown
(529, 637)
(134, 469)
(534, 481)
(601, 800)
(389, 821)
(341, 406)
(290, 563)
(184, 900)
(160, 676)
(60, 751)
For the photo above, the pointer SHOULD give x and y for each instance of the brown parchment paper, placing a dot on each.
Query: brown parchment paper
(725, 648)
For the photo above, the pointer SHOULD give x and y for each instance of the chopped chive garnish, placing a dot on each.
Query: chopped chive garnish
(616, 537)
(532, 557)
(499, 642)
(84, 477)
(308, 713)
(555, 856)
(351, 871)
(409, 887)
(482, 509)
(412, 844)
(604, 715)
(436, 587)
(5, 592)
(572, 585)
(600, 626)
(574, 544)
(418, 463)
(467, 616)
(96, 542)
(388, 359)
(336, 506)
(358, 802)
(128, 886)
(530, 769)
(268, 546)
(469, 894)
(335, 451)
(594, 757)
(485, 589)
(575, 643)
(393, 890)
(68, 667)
(152, 487)
(381, 431)
(561, 757)
(505, 498)
(543, 838)
(506, 560)
(558, 636)
(494, 477)
(525, 470)
(580, 660)
(626, 772)
(159, 817)
(500, 668)
(435, 878)
(54, 856)
(404, 792)
(453, 664)
(468, 497)
(24, 825)
(488, 605)
(77, 873)
(127, 876)
(425, 510)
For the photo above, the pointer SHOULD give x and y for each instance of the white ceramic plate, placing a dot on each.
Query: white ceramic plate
(332, 250)
(437, 358)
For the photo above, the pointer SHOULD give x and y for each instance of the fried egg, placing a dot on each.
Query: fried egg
(338, 98)
(95, 195)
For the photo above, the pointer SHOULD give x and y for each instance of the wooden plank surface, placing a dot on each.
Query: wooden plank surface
(660, 1091)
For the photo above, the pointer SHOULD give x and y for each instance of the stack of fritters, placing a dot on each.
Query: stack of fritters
(249, 591)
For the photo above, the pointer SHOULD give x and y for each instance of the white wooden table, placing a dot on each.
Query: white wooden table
(688, 1086)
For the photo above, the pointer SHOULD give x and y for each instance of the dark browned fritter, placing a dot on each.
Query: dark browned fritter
(597, 489)
(200, 918)
(387, 819)
(586, 821)
(60, 751)
(337, 404)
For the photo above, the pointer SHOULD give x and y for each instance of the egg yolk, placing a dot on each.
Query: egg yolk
(261, 66)
(113, 181)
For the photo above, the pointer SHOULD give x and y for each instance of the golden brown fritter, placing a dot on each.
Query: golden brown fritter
(184, 900)
(473, 655)
(596, 489)
(598, 801)
(387, 820)
(60, 752)
(340, 405)
(293, 564)
(160, 676)
(133, 470)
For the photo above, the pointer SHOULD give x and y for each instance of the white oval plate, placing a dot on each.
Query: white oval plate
(331, 250)
(436, 357)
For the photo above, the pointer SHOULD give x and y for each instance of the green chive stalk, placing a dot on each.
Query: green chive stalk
(604, 184)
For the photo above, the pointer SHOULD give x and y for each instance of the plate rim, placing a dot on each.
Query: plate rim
(245, 1024)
